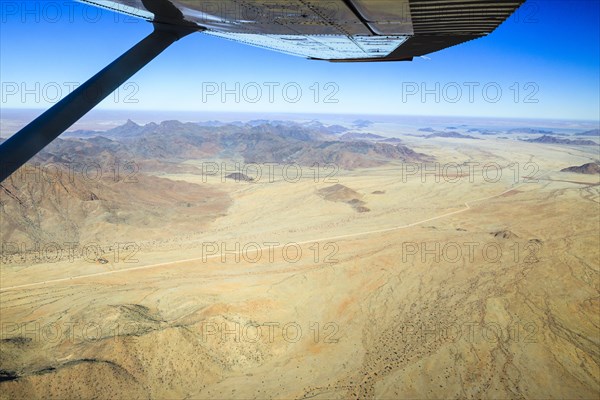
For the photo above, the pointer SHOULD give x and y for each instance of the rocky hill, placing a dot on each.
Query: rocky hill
(56, 205)
(588, 169)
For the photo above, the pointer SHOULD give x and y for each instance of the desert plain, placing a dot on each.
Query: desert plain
(470, 273)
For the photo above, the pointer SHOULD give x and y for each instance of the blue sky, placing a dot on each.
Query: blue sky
(545, 61)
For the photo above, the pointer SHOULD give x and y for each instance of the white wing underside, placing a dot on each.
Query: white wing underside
(335, 29)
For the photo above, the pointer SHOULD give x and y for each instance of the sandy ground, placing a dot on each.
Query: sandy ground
(449, 287)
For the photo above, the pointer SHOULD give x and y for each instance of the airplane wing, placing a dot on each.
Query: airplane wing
(335, 30)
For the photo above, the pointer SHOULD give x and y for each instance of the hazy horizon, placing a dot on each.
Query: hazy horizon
(13, 119)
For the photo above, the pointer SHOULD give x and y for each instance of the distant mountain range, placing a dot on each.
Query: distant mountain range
(362, 123)
(96, 206)
(593, 132)
(361, 136)
(454, 135)
(546, 139)
(256, 141)
(526, 131)
(513, 131)
(391, 140)
(486, 132)
(530, 131)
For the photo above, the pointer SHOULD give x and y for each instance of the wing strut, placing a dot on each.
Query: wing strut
(26, 143)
